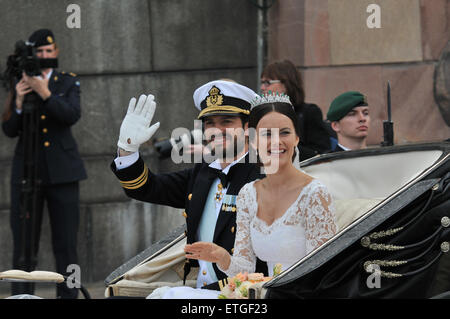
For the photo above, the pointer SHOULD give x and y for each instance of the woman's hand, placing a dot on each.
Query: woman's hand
(208, 252)
(38, 85)
(22, 88)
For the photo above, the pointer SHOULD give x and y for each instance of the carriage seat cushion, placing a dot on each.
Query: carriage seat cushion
(171, 261)
(348, 210)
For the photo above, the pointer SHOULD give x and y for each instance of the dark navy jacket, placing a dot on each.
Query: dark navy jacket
(59, 160)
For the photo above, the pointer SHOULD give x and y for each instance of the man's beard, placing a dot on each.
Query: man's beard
(231, 151)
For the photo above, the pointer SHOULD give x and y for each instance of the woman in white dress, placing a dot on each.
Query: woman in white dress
(282, 217)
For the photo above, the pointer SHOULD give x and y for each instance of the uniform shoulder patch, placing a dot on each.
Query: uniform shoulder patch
(71, 75)
(68, 73)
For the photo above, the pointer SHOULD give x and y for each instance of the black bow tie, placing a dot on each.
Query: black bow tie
(214, 172)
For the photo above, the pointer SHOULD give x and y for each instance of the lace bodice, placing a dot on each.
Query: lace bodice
(305, 225)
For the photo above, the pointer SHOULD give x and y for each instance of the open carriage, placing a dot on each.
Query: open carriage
(393, 212)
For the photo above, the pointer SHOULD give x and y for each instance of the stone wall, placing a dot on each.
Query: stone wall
(336, 51)
(124, 49)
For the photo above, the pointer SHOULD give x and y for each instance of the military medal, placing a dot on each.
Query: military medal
(218, 197)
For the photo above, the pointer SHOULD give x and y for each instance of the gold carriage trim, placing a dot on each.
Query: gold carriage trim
(138, 182)
(385, 233)
(385, 247)
(365, 242)
(223, 109)
(386, 274)
(385, 263)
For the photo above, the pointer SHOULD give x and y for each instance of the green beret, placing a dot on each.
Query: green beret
(344, 103)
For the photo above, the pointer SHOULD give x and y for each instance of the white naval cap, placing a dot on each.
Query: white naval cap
(223, 97)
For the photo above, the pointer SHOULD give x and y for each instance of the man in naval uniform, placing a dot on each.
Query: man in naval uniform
(208, 191)
(59, 165)
(350, 119)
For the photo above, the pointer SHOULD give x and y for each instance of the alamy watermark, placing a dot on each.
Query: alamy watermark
(73, 21)
(374, 19)
(74, 279)
(374, 279)
(214, 144)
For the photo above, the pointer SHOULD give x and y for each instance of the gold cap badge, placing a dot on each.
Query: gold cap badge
(214, 98)
(50, 39)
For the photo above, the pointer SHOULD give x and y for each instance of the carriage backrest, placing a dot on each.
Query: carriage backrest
(359, 184)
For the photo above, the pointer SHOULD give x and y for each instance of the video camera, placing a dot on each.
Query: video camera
(25, 60)
(164, 147)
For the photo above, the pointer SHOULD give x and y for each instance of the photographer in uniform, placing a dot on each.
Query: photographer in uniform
(59, 164)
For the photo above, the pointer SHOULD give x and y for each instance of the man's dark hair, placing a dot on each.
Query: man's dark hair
(244, 118)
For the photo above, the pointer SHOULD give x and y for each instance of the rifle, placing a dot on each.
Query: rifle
(388, 126)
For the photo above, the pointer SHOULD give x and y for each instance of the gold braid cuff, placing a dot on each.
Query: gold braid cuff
(137, 182)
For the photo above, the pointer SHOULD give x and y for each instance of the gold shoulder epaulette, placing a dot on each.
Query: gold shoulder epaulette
(137, 182)
(68, 73)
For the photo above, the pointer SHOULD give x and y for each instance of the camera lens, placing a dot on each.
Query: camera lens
(31, 67)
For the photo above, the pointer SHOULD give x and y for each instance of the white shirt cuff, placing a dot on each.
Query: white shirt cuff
(126, 161)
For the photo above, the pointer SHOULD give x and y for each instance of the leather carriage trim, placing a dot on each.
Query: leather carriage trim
(366, 240)
(444, 248)
(412, 186)
(432, 236)
(117, 277)
(138, 182)
(394, 263)
(425, 206)
(414, 272)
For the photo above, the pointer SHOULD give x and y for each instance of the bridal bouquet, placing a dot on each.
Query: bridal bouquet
(237, 287)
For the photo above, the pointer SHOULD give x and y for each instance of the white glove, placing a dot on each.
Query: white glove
(135, 129)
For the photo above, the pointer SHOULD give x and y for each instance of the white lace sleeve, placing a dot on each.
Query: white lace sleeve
(320, 218)
(244, 258)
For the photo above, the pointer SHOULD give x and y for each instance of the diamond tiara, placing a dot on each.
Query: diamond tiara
(270, 97)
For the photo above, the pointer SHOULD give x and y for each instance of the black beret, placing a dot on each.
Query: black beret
(344, 103)
(42, 37)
